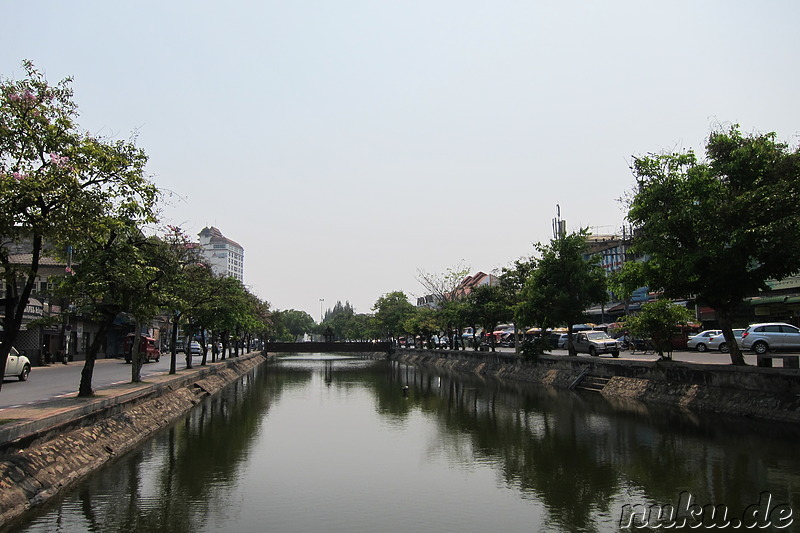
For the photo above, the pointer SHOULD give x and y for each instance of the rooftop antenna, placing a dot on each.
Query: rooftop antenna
(559, 226)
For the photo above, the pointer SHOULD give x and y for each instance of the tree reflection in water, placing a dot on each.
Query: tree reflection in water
(576, 458)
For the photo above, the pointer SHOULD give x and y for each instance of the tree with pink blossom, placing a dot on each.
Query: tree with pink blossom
(59, 185)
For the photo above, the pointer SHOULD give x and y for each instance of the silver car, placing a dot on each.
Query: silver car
(771, 336)
(699, 342)
(718, 342)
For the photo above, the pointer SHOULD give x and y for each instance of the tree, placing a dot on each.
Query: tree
(563, 284)
(103, 282)
(296, 323)
(235, 311)
(57, 184)
(148, 287)
(443, 288)
(490, 306)
(718, 229)
(657, 321)
(422, 322)
(187, 286)
(362, 327)
(391, 312)
(512, 281)
(337, 319)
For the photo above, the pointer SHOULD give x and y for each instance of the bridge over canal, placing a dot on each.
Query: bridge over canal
(327, 347)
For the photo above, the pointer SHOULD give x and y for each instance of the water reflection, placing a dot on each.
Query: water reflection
(585, 457)
(330, 443)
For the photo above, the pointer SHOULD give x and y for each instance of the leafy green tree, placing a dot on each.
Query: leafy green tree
(564, 283)
(718, 229)
(391, 311)
(188, 287)
(512, 280)
(296, 323)
(658, 321)
(337, 319)
(102, 283)
(57, 183)
(422, 322)
(338, 309)
(452, 318)
(489, 306)
(362, 327)
(233, 310)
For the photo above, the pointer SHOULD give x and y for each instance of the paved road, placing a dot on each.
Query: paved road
(59, 380)
(679, 355)
(682, 355)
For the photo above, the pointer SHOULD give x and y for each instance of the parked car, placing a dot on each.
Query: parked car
(767, 336)
(562, 341)
(17, 366)
(699, 342)
(717, 342)
(595, 343)
(195, 348)
(148, 348)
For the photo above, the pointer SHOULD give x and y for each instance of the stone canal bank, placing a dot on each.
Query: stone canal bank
(771, 394)
(44, 453)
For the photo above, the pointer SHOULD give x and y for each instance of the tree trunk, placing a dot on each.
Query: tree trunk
(136, 357)
(173, 356)
(85, 387)
(204, 346)
(570, 345)
(727, 331)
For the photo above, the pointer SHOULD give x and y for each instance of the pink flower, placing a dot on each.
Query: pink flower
(58, 160)
(19, 176)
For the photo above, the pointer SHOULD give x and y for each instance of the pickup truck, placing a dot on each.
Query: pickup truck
(595, 343)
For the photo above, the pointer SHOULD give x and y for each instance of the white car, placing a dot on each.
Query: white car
(717, 342)
(17, 366)
(699, 342)
(563, 341)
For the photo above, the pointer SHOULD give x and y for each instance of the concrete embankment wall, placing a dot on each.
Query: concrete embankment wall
(47, 465)
(762, 393)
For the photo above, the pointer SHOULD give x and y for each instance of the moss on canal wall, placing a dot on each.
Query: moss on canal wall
(759, 393)
(31, 475)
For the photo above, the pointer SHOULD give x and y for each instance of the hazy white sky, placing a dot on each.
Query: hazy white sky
(346, 144)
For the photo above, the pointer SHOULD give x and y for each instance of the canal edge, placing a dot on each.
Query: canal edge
(766, 394)
(44, 457)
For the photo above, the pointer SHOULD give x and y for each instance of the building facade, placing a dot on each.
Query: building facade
(224, 256)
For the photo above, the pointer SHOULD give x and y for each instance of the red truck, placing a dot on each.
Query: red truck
(148, 348)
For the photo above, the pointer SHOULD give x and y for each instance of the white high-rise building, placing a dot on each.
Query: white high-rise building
(225, 256)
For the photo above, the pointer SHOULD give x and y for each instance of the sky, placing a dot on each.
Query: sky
(348, 145)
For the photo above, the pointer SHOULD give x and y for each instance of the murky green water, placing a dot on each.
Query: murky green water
(334, 444)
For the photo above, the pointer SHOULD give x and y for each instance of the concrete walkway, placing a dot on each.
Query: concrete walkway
(27, 421)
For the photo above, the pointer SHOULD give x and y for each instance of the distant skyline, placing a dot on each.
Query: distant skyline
(347, 144)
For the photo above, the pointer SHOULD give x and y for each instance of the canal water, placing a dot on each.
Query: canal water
(327, 443)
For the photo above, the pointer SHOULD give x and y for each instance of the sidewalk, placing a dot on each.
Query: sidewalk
(27, 421)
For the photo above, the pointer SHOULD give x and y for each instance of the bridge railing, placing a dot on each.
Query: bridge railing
(327, 347)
